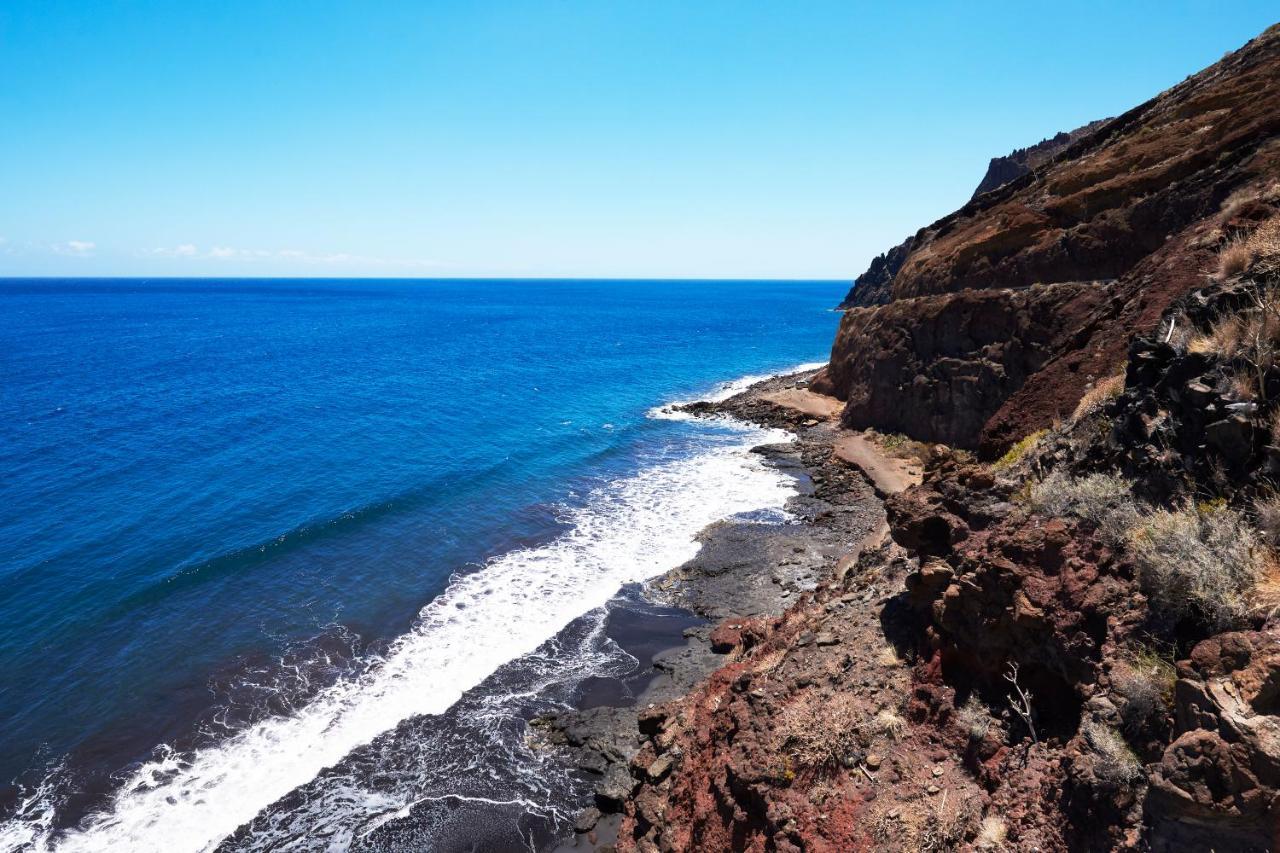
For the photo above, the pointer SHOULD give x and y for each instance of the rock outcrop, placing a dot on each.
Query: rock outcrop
(1020, 161)
(939, 367)
(874, 287)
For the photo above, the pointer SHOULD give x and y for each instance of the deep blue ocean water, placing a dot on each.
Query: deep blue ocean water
(222, 499)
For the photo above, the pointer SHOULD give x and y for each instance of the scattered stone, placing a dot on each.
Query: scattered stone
(658, 770)
(587, 819)
(826, 638)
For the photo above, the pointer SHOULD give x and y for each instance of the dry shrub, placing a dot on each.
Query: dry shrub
(1234, 258)
(1258, 252)
(1019, 450)
(927, 826)
(1224, 339)
(888, 656)
(889, 724)
(819, 733)
(1265, 244)
(975, 718)
(1117, 763)
(1252, 336)
(1102, 392)
(1266, 512)
(1145, 684)
(992, 834)
(1197, 560)
(1104, 500)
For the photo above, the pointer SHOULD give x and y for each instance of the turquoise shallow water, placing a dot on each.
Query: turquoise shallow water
(222, 498)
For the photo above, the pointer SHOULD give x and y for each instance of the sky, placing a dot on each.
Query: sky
(604, 138)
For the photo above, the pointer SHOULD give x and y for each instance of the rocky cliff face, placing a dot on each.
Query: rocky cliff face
(939, 367)
(1137, 206)
(874, 287)
(1002, 170)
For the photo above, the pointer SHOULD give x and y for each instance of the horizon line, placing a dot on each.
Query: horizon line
(402, 278)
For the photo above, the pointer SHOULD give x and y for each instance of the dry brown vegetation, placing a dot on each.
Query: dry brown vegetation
(1117, 763)
(820, 733)
(1252, 336)
(936, 824)
(1102, 392)
(1258, 251)
(1144, 682)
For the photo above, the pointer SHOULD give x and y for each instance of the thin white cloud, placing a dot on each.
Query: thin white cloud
(186, 250)
(335, 259)
(79, 248)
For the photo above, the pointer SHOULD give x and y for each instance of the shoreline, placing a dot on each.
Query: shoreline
(745, 572)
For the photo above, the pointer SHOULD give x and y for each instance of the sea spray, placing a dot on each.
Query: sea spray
(626, 531)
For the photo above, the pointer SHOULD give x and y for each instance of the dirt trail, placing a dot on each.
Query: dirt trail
(806, 402)
(887, 474)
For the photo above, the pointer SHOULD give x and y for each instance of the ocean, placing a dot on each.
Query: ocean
(287, 564)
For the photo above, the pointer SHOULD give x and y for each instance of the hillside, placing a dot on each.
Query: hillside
(1128, 217)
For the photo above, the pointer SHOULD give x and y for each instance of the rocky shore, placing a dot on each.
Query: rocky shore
(745, 573)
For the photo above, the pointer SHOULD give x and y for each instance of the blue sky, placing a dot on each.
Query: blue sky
(558, 138)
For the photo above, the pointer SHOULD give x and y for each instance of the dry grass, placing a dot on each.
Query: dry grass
(1104, 500)
(1102, 392)
(1198, 560)
(818, 733)
(928, 826)
(975, 718)
(1225, 339)
(992, 834)
(890, 725)
(1258, 252)
(1019, 450)
(888, 656)
(1265, 243)
(1145, 684)
(1234, 258)
(1117, 765)
(1266, 512)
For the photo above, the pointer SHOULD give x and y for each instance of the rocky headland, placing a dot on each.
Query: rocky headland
(1031, 599)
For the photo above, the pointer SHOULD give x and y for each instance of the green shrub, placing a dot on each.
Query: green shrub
(1019, 450)
(1104, 500)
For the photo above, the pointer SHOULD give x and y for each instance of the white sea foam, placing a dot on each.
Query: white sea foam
(723, 391)
(629, 530)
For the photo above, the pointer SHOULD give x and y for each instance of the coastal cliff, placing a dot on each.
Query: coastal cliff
(1138, 206)
(1069, 640)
